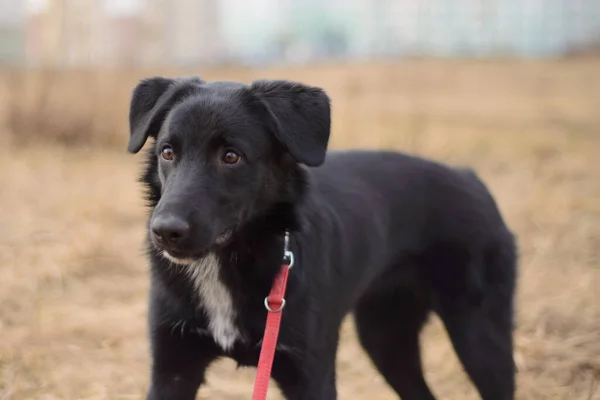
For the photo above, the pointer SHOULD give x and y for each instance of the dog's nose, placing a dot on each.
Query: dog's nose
(170, 229)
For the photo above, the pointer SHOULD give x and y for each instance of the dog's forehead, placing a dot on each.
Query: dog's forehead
(214, 108)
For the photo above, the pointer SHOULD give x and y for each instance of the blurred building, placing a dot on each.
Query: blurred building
(80, 34)
(192, 32)
(12, 18)
(203, 32)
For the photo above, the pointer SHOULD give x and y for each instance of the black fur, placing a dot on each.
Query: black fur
(388, 236)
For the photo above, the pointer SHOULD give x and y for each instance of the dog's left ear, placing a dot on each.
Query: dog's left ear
(301, 117)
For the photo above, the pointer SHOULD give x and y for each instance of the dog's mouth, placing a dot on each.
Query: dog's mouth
(179, 256)
(178, 259)
(224, 237)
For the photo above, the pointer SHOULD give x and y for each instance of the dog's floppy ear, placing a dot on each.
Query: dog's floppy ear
(151, 100)
(301, 117)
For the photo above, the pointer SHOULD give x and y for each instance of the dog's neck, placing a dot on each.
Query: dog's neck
(261, 236)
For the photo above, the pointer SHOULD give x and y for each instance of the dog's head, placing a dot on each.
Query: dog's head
(223, 153)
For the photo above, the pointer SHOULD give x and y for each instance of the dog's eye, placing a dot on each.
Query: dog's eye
(231, 157)
(167, 153)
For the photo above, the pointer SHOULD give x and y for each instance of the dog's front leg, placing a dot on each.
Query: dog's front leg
(179, 361)
(309, 388)
(305, 378)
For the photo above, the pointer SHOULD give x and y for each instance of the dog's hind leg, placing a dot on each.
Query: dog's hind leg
(481, 332)
(388, 325)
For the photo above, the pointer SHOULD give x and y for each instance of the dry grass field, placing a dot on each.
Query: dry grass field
(72, 273)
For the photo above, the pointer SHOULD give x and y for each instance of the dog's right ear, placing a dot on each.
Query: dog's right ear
(151, 100)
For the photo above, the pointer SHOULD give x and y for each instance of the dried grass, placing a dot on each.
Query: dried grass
(72, 274)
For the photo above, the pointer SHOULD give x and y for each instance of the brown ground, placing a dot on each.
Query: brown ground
(73, 278)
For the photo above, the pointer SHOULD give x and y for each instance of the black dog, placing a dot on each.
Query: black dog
(387, 236)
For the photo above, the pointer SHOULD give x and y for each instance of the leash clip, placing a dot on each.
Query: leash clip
(288, 255)
(288, 259)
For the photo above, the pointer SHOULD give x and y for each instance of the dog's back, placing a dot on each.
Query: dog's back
(429, 238)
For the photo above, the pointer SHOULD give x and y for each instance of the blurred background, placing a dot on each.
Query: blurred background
(508, 87)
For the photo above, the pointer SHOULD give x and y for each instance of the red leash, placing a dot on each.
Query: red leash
(274, 304)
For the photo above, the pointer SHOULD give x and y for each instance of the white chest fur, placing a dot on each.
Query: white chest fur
(215, 299)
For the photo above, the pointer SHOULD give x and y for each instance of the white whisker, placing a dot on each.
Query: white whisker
(175, 260)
